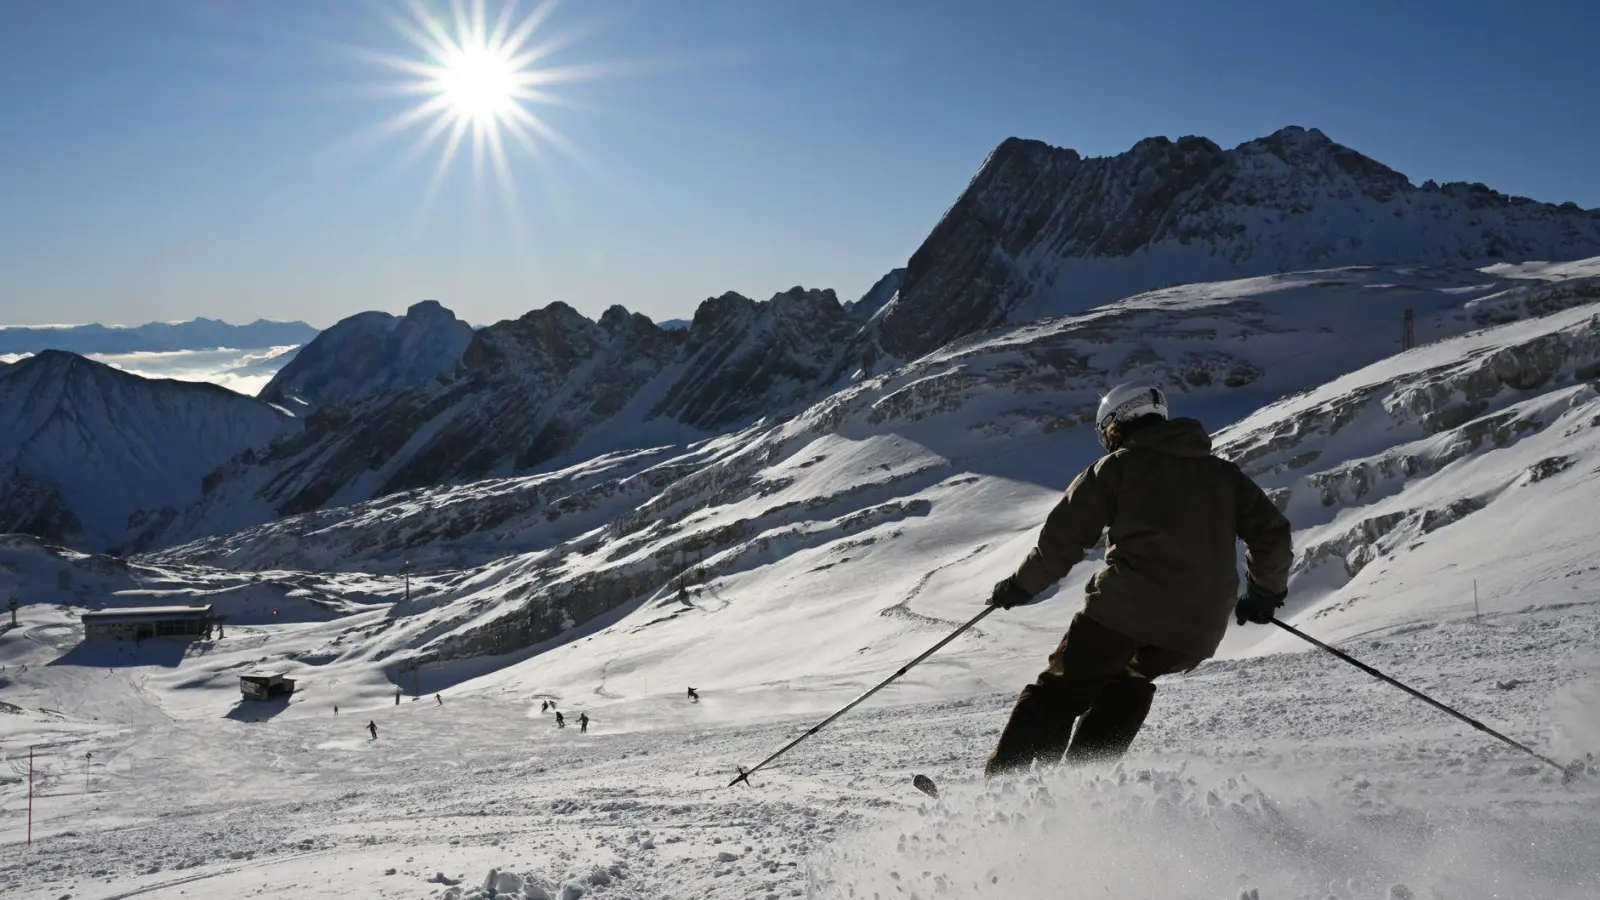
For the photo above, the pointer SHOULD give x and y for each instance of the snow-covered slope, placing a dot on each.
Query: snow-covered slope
(450, 527)
(1042, 230)
(908, 485)
(372, 352)
(821, 553)
(195, 334)
(86, 446)
(535, 394)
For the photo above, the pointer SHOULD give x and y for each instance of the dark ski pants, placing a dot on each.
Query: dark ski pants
(1097, 673)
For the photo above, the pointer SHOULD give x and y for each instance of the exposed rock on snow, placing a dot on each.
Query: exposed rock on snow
(369, 353)
(1362, 461)
(1008, 405)
(1043, 230)
(86, 445)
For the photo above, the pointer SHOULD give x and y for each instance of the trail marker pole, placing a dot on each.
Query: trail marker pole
(1477, 615)
(30, 796)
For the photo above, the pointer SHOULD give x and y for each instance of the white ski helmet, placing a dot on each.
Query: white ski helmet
(1125, 402)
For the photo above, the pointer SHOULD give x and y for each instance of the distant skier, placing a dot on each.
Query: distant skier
(545, 706)
(396, 698)
(373, 727)
(583, 723)
(693, 695)
(1161, 603)
(336, 709)
(439, 698)
(561, 721)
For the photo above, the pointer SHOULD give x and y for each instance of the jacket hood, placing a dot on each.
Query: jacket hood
(1176, 437)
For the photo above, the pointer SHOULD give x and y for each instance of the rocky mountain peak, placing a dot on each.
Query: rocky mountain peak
(369, 353)
(1043, 231)
(429, 311)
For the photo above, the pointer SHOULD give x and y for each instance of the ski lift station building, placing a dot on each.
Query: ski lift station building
(147, 621)
(265, 685)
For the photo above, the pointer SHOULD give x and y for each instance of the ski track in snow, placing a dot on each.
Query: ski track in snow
(1293, 775)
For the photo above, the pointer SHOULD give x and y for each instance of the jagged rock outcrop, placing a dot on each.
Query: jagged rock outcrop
(532, 393)
(881, 292)
(1044, 230)
(743, 359)
(370, 353)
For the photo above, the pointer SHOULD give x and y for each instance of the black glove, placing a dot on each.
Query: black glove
(1008, 594)
(1257, 605)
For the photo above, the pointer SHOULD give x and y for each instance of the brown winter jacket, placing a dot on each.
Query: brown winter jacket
(1174, 513)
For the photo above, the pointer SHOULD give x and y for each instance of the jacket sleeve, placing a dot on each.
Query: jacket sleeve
(1268, 547)
(1071, 529)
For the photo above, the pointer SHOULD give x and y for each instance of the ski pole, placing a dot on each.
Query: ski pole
(744, 774)
(1567, 772)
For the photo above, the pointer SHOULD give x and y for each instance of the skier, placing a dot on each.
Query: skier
(439, 698)
(583, 723)
(1161, 603)
(545, 706)
(693, 695)
(336, 709)
(396, 698)
(561, 721)
(373, 727)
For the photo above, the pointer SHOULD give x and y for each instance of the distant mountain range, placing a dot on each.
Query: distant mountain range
(390, 404)
(195, 334)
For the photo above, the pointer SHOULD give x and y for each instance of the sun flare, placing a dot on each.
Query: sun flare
(483, 79)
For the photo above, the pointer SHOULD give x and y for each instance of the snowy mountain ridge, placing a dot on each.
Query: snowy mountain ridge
(536, 394)
(370, 353)
(87, 447)
(1038, 232)
(1042, 231)
(879, 463)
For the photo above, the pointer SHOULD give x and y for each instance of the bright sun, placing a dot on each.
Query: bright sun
(479, 84)
(480, 77)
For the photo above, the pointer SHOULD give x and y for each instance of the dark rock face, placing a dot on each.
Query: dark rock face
(878, 295)
(1042, 230)
(31, 506)
(372, 352)
(743, 359)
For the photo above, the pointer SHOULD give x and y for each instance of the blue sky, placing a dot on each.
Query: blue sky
(172, 159)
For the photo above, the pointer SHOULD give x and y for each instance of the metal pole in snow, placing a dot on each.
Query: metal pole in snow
(1568, 772)
(1477, 616)
(744, 774)
(30, 796)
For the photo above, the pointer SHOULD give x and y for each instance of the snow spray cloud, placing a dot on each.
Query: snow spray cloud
(1148, 833)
